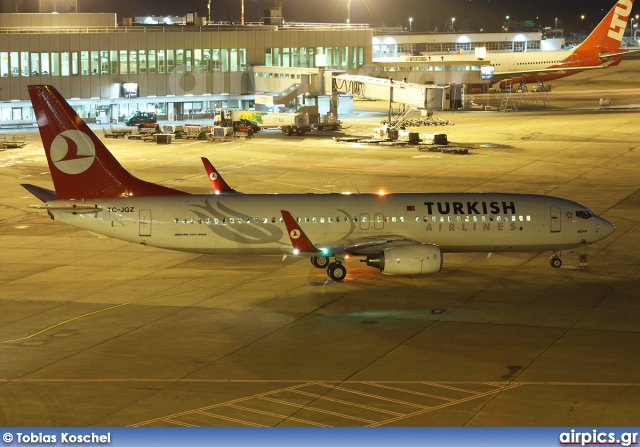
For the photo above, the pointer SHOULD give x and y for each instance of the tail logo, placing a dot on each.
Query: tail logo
(619, 20)
(213, 176)
(72, 151)
(295, 234)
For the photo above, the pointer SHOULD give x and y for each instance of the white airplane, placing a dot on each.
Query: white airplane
(601, 49)
(404, 233)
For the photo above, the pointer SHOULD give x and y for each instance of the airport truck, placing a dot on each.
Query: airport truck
(289, 123)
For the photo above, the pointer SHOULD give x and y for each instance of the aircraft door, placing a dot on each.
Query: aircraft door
(364, 221)
(378, 221)
(145, 222)
(555, 219)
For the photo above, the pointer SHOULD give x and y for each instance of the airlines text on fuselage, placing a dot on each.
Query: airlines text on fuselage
(471, 207)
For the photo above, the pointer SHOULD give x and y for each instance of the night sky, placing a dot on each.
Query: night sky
(471, 15)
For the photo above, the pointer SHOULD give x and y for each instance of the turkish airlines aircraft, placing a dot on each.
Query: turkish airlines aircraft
(601, 49)
(404, 233)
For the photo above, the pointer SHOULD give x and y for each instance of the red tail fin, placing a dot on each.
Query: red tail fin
(81, 166)
(608, 33)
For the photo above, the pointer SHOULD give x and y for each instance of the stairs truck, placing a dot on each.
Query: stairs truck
(288, 123)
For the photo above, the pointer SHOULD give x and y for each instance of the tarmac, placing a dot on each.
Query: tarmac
(99, 332)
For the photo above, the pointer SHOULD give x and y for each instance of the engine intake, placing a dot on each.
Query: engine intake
(413, 259)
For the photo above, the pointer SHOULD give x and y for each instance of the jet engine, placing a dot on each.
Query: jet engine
(413, 259)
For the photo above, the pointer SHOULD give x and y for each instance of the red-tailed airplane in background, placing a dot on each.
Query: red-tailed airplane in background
(403, 233)
(600, 49)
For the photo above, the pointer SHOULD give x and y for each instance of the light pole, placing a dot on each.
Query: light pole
(410, 20)
(636, 30)
(348, 11)
(453, 19)
(507, 23)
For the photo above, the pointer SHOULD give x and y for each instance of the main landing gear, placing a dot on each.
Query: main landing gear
(335, 269)
(555, 261)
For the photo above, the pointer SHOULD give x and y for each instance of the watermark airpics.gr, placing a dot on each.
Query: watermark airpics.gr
(596, 437)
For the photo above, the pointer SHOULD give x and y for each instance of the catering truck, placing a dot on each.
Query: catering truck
(288, 123)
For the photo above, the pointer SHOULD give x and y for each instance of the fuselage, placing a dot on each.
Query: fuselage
(252, 223)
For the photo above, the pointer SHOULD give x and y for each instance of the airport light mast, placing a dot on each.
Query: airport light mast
(348, 11)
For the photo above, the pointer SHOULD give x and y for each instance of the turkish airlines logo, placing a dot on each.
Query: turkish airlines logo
(295, 234)
(213, 176)
(619, 20)
(72, 152)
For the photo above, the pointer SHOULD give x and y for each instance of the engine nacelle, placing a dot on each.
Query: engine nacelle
(413, 259)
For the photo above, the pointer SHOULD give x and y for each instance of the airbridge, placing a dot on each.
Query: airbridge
(421, 96)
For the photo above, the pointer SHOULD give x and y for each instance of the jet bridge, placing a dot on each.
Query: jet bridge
(427, 96)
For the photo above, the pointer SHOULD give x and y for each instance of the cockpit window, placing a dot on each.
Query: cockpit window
(583, 214)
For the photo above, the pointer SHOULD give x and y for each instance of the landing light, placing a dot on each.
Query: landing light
(296, 251)
(382, 192)
(325, 251)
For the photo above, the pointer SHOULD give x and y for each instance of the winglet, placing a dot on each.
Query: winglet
(218, 183)
(299, 240)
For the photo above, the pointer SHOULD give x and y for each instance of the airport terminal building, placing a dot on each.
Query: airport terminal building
(179, 71)
(107, 70)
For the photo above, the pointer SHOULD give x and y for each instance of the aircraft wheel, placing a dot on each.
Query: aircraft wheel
(555, 262)
(336, 271)
(320, 262)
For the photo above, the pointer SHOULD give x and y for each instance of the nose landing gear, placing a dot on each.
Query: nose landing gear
(555, 261)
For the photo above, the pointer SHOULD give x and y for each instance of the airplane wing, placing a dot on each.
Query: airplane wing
(362, 247)
(394, 256)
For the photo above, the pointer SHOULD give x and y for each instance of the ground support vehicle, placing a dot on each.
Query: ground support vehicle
(116, 133)
(144, 134)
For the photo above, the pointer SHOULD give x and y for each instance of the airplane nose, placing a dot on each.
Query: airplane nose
(606, 228)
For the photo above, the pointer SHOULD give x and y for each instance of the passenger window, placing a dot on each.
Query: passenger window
(192, 220)
(355, 218)
(184, 220)
(224, 221)
(314, 219)
(256, 220)
(528, 218)
(306, 220)
(231, 220)
(215, 221)
(282, 220)
(273, 220)
(337, 219)
(418, 219)
(401, 218)
(329, 219)
(176, 220)
(322, 220)
(393, 219)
